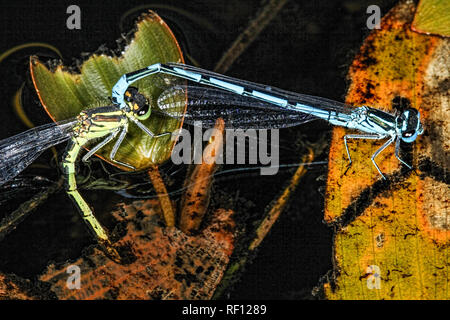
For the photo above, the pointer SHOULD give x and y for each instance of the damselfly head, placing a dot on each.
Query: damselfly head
(408, 125)
(137, 103)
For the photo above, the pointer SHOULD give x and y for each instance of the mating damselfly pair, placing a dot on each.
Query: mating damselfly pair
(208, 96)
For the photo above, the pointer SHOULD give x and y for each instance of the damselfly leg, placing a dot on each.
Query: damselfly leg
(99, 146)
(384, 146)
(397, 153)
(145, 129)
(119, 141)
(359, 136)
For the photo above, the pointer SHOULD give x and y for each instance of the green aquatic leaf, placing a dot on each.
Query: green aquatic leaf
(433, 17)
(65, 94)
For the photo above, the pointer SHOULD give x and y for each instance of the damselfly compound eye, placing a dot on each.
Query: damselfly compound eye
(143, 112)
(409, 125)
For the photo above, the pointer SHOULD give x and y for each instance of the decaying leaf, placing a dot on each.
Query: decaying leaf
(162, 263)
(400, 226)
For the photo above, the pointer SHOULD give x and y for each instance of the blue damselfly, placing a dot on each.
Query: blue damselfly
(272, 107)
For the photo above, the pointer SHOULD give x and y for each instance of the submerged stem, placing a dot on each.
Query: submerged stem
(11, 221)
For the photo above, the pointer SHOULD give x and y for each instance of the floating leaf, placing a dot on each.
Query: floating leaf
(433, 16)
(65, 94)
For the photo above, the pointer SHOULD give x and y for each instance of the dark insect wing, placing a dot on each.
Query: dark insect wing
(205, 105)
(19, 151)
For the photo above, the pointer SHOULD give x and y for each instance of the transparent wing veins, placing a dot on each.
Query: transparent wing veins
(19, 151)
